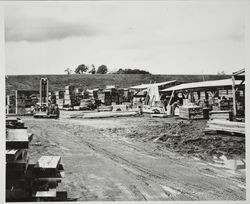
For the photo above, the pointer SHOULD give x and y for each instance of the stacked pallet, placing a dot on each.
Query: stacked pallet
(26, 181)
(225, 126)
(221, 115)
(190, 112)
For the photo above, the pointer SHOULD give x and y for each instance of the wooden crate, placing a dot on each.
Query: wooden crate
(191, 112)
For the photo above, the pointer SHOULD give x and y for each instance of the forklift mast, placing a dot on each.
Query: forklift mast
(44, 91)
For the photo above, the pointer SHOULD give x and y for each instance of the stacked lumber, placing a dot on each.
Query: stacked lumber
(86, 104)
(48, 173)
(225, 126)
(221, 115)
(60, 103)
(26, 181)
(191, 112)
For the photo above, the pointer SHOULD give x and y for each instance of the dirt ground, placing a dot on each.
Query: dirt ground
(139, 158)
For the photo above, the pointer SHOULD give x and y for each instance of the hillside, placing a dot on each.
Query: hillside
(58, 82)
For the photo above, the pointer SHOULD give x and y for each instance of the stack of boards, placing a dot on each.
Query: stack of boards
(191, 112)
(26, 181)
(221, 115)
(225, 126)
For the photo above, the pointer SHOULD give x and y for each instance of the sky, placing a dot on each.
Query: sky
(172, 37)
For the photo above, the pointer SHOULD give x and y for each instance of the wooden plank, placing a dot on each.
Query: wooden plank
(45, 194)
(17, 139)
(49, 162)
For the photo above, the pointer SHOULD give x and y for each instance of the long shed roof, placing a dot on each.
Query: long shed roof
(203, 84)
(145, 86)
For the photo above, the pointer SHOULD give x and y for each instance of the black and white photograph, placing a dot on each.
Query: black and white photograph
(125, 100)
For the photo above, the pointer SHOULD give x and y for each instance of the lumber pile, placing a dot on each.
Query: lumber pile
(191, 112)
(86, 104)
(30, 182)
(225, 127)
(221, 115)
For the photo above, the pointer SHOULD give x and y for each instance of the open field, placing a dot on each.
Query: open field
(124, 159)
(58, 82)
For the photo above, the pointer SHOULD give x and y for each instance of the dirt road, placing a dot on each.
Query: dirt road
(111, 167)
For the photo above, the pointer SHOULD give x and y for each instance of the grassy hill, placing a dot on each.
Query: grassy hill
(58, 82)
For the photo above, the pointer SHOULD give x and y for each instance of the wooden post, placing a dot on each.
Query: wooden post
(234, 96)
(16, 104)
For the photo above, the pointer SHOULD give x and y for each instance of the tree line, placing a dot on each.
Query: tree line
(103, 69)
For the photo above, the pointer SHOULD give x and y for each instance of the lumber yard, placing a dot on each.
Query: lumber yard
(164, 140)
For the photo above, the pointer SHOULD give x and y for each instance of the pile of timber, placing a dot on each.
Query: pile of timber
(191, 112)
(222, 126)
(221, 115)
(26, 181)
(86, 104)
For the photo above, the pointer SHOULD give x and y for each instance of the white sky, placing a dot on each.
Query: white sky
(180, 37)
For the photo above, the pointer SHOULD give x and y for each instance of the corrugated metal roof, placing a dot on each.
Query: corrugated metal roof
(203, 84)
(145, 86)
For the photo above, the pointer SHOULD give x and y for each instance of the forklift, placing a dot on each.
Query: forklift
(45, 109)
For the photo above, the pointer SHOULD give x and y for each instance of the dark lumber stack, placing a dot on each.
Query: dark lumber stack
(26, 181)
